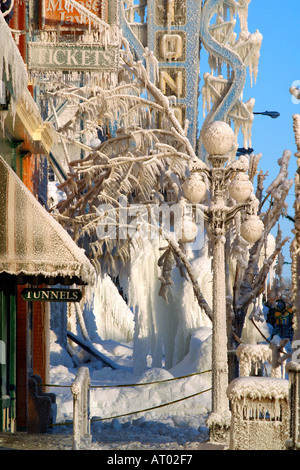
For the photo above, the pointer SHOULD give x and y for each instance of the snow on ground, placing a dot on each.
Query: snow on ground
(180, 425)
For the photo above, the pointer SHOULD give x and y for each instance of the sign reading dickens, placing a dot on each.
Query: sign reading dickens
(52, 295)
(68, 56)
(56, 13)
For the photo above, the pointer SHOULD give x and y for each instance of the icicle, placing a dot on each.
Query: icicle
(243, 14)
(114, 319)
(3, 116)
(12, 64)
(213, 90)
(256, 41)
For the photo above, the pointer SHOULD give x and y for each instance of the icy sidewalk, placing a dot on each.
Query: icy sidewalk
(49, 441)
(157, 409)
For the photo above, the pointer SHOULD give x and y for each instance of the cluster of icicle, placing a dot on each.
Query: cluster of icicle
(108, 33)
(136, 138)
(252, 355)
(258, 397)
(99, 32)
(247, 46)
(118, 100)
(234, 6)
(12, 65)
(13, 69)
(113, 317)
(131, 9)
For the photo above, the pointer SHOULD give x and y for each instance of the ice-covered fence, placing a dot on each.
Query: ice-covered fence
(259, 405)
(81, 404)
(259, 413)
(293, 370)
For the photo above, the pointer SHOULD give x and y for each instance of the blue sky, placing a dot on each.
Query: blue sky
(279, 66)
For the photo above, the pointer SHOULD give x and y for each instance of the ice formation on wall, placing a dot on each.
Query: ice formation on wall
(108, 33)
(163, 330)
(113, 318)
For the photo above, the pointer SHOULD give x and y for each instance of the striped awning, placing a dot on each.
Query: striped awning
(32, 242)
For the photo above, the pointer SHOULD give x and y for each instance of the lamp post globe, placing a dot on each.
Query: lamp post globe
(240, 188)
(218, 138)
(194, 188)
(252, 229)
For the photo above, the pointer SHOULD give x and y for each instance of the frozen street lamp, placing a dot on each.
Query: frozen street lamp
(218, 139)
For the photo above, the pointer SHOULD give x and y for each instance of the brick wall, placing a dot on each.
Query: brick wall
(41, 328)
(32, 351)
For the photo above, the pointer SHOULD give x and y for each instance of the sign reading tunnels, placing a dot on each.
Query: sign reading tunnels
(51, 295)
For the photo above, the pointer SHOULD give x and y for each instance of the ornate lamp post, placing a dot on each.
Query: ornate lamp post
(218, 139)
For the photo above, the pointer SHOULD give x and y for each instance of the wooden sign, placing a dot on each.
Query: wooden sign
(51, 295)
(70, 56)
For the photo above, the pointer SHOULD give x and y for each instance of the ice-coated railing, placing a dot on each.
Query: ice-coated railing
(81, 404)
(260, 409)
(259, 413)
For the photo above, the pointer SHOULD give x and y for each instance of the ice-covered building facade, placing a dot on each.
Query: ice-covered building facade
(119, 82)
(89, 79)
(164, 38)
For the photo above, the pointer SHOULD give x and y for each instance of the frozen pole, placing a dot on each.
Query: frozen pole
(218, 140)
(220, 404)
(295, 245)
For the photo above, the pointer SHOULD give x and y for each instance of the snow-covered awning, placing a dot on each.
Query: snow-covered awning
(32, 242)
